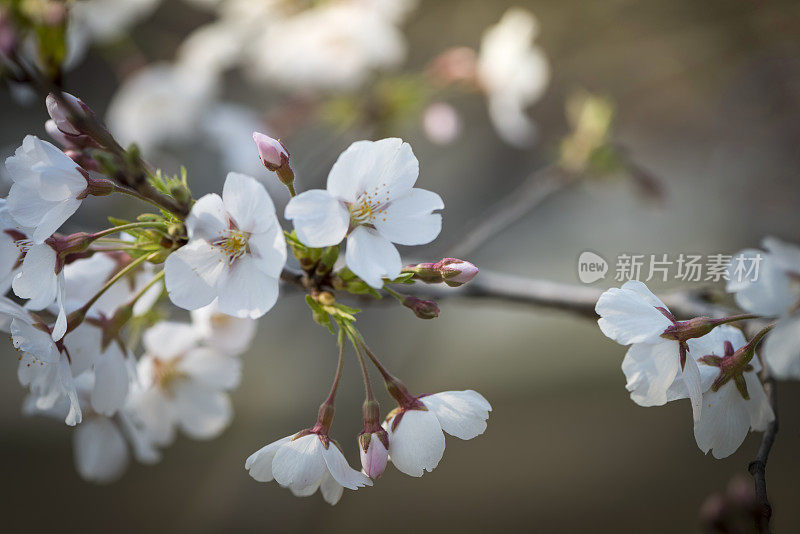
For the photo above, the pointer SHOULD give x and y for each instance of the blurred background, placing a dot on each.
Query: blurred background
(707, 100)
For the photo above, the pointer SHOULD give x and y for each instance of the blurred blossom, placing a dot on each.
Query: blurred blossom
(158, 104)
(229, 129)
(331, 47)
(514, 74)
(441, 123)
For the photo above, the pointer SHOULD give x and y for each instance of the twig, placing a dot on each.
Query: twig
(758, 467)
(538, 187)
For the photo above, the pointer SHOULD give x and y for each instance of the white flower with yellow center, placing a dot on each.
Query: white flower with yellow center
(183, 385)
(371, 200)
(236, 252)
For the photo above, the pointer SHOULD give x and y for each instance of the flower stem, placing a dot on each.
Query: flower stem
(395, 294)
(114, 279)
(129, 226)
(335, 386)
(144, 290)
(367, 385)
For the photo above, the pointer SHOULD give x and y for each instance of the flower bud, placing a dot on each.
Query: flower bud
(456, 272)
(374, 449)
(274, 156)
(424, 309)
(62, 116)
(8, 38)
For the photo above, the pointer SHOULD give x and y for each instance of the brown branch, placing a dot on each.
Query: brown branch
(538, 187)
(758, 467)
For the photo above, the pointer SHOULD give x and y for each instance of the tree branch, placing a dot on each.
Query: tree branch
(758, 467)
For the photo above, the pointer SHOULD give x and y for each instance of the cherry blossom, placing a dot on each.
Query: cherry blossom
(41, 280)
(231, 335)
(48, 187)
(371, 200)
(236, 252)
(183, 384)
(514, 74)
(632, 315)
(416, 440)
(733, 406)
(374, 452)
(305, 462)
(772, 289)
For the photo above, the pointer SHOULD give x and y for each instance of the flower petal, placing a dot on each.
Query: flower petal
(248, 203)
(627, 317)
(112, 381)
(781, 349)
(207, 219)
(101, 454)
(462, 414)
(186, 287)
(201, 411)
(388, 166)
(216, 370)
(319, 218)
(341, 471)
(246, 291)
(409, 220)
(259, 464)
(299, 463)
(372, 257)
(417, 444)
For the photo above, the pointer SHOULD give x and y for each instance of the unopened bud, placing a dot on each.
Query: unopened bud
(456, 272)
(424, 309)
(424, 272)
(71, 244)
(326, 298)
(99, 187)
(63, 115)
(274, 156)
(374, 449)
(8, 37)
(84, 159)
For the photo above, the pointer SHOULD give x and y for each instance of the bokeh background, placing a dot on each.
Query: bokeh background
(708, 100)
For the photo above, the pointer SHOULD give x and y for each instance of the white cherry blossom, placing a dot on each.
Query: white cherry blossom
(514, 74)
(183, 385)
(48, 187)
(236, 252)
(305, 462)
(41, 280)
(13, 241)
(727, 416)
(416, 440)
(632, 315)
(772, 290)
(371, 200)
(230, 335)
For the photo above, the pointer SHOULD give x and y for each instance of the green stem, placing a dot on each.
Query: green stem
(365, 374)
(114, 279)
(137, 195)
(400, 298)
(144, 290)
(130, 226)
(338, 376)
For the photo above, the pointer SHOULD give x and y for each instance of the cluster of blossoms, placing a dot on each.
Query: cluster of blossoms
(707, 360)
(90, 298)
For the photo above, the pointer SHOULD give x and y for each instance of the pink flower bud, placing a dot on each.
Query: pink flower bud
(271, 151)
(424, 309)
(8, 38)
(456, 272)
(61, 116)
(374, 449)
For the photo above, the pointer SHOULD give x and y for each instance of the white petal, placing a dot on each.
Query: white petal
(409, 220)
(299, 463)
(771, 293)
(248, 203)
(417, 444)
(111, 381)
(101, 454)
(330, 489)
(460, 413)
(268, 248)
(54, 218)
(691, 378)
(319, 218)
(37, 281)
(650, 370)
(168, 339)
(724, 421)
(341, 471)
(212, 368)
(207, 219)
(186, 288)
(758, 406)
(245, 291)
(259, 464)
(372, 257)
(782, 348)
(27, 338)
(627, 317)
(201, 411)
(388, 166)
